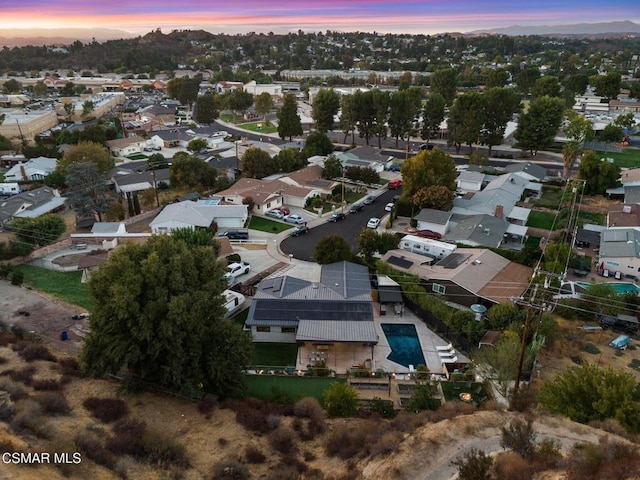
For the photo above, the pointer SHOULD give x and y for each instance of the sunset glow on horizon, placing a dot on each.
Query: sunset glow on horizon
(278, 16)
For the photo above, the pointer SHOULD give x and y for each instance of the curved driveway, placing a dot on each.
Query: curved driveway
(303, 247)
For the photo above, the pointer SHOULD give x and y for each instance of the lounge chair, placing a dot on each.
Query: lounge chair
(447, 354)
(448, 360)
(445, 348)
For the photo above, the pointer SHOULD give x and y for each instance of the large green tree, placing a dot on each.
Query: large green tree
(466, 119)
(289, 124)
(547, 85)
(87, 152)
(427, 168)
(43, 230)
(348, 118)
(159, 313)
(404, 107)
(263, 104)
(87, 192)
(326, 104)
(607, 85)
(237, 100)
(438, 197)
(588, 393)
(257, 163)
(598, 173)
(444, 82)
(184, 89)
(539, 125)
(499, 106)
(331, 249)
(526, 79)
(432, 116)
(365, 114)
(189, 171)
(380, 100)
(207, 108)
(317, 143)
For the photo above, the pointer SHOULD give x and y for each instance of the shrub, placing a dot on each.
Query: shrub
(474, 465)
(520, 437)
(54, 403)
(282, 440)
(70, 366)
(230, 470)
(451, 410)
(34, 351)
(17, 277)
(512, 466)
(309, 407)
(340, 400)
(345, 442)
(384, 408)
(6, 406)
(253, 454)
(15, 390)
(24, 375)
(127, 437)
(385, 444)
(48, 384)
(163, 451)
(90, 445)
(106, 409)
(28, 418)
(207, 405)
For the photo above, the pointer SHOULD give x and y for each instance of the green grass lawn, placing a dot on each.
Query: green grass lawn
(542, 220)
(532, 242)
(591, 217)
(259, 127)
(137, 156)
(64, 285)
(628, 158)
(551, 197)
(265, 387)
(267, 225)
(274, 354)
(452, 393)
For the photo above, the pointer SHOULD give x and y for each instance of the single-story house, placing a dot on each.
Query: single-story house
(481, 230)
(336, 310)
(122, 147)
(310, 177)
(189, 214)
(33, 169)
(470, 181)
(620, 252)
(31, 204)
(125, 182)
(528, 170)
(267, 194)
(466, 276)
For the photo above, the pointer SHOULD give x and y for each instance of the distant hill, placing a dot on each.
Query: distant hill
(17, 37)
(577, 29)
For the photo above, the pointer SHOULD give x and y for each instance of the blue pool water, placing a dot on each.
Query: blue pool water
(405, 344)
(619, 287)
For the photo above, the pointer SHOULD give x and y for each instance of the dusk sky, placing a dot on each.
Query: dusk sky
(281, 16)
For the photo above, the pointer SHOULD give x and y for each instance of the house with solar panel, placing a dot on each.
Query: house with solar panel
(335, 314)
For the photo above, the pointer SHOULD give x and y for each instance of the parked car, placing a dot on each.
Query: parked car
(294, 219)
(275, 214)
(369, 200)
(395, 198)
(395, 183)
(428, 234)
(299, 230)
(236, 269)
(389, 206)
(355, 208)
(625, 323)
(284, 210)
(235, 235)
(337, 216)
(373, 222)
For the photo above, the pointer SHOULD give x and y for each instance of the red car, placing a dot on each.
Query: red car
(285, 210)
(395, 183)
(428, 234)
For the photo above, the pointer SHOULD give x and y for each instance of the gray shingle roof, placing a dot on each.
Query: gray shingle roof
(337, 331)
(620, 243)
(433, 216)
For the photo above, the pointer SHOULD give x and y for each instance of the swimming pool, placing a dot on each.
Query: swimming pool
(620, 287)
(405, 344)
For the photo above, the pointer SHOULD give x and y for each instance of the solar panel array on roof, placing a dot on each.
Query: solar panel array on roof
(615, 235)
(282, 310)
(453, 260)
(400, 262)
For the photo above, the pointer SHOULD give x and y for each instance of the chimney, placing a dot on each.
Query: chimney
(499, 211)
(23, 173)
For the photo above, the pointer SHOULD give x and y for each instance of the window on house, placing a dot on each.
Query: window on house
(436, 287)
(269, 205)
(288, 329)
(263, 329)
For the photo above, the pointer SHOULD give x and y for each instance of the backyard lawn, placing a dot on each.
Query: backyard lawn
(628, 158)
(274, 354)
(542, 220)
(552, 197)
(64, 285)
(272, 387)
(266, 225)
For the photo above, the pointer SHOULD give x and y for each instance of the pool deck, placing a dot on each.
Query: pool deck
(340, 357)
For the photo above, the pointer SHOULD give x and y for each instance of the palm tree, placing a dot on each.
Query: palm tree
(570, 152)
